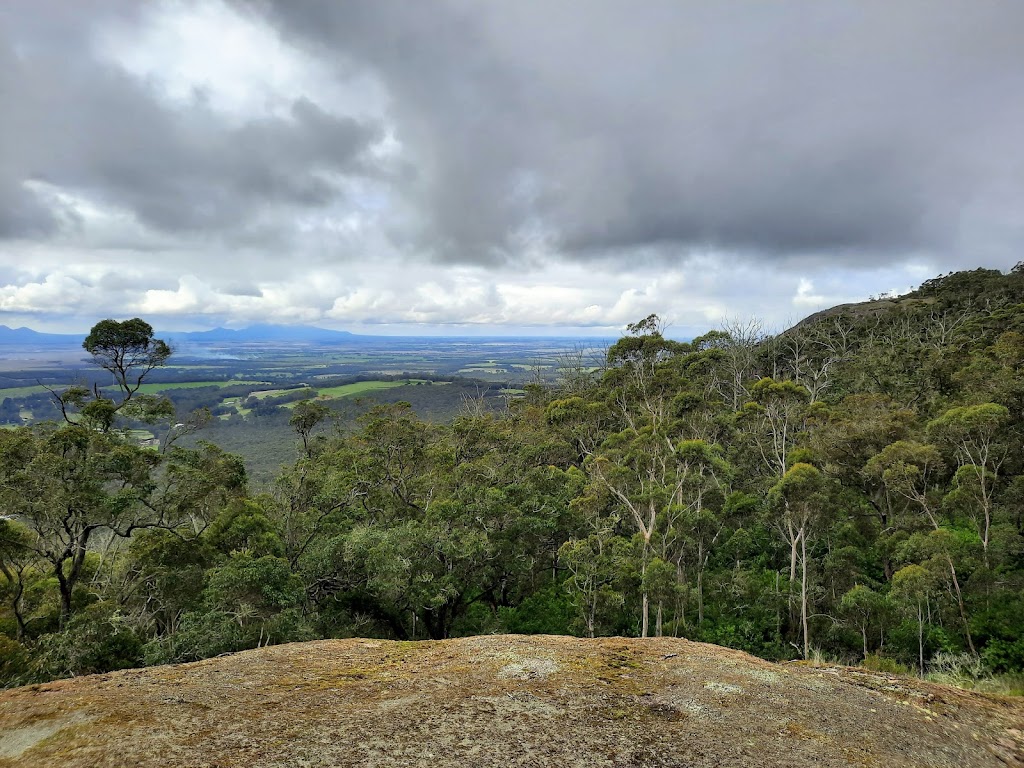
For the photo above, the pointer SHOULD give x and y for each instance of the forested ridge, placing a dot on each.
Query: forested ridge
(853, 487)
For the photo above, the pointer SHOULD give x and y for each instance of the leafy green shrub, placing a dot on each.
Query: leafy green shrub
(244, 526)
(1004, 655)
(98, 639)
(14, 662)
(749, 636)
(203, 634)
(876, 662)
(200, 635)
(547, 612)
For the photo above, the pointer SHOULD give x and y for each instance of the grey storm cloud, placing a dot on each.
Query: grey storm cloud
(864, 131)
(22, 214)
(868, 128)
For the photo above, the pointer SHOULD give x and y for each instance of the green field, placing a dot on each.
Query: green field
(147, 389)
(265, 393)
(152, 388)
(21, 391)
(236, 403)
(327, 393)
(333, 393)
(359, 387)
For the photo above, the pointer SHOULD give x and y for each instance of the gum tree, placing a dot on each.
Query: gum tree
(130, 353)
(800, 500)
(68, 483)
(71, 483)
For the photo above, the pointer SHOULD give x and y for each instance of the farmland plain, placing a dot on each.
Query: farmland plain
(251, 385)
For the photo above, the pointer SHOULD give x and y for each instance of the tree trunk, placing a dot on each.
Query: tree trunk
(793, 539)
(645, 603)
(920, 638)
(65, 599)
(700, 597)
(803, 595)
(960, 605)
(67, 581)
(19, 589)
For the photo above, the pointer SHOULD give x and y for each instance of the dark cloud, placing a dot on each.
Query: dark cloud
(614, 131)
(22, 214)
(240, 289)
(860, 128)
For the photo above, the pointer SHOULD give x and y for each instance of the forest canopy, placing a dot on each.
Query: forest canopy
(853, 486)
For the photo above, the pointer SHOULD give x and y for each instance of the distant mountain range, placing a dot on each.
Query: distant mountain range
(26, 337)
(296, 334)
(27, 340)
(254, 333)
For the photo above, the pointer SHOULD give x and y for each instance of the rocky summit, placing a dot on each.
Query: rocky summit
(504, 701)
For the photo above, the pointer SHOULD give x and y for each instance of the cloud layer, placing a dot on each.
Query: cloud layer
(408, 166)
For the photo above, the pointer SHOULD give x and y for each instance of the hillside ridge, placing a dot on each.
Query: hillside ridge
(968, 289)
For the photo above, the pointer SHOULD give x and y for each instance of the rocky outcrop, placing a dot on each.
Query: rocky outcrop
(504, 701)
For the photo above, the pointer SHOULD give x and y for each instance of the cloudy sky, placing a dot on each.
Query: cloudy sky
(539, 166)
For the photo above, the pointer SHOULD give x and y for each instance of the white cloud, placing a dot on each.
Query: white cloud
(56, 292)
(234, 63)
(806, 297)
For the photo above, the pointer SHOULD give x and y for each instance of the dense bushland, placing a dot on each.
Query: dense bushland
(853, 486)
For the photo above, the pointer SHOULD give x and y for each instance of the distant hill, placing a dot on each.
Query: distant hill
(978, 290)
(295, 334)
(27, 337)
(504, 701)
(292, 334)
(914, 348)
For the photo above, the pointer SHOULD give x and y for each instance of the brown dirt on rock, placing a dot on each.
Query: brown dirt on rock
(504, 701)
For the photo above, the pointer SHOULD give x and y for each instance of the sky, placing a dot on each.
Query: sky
(538, 167)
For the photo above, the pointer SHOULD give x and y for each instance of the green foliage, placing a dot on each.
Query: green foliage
(127, 349)
(98, 639)
(170, 570)
(852, 487)
(252, 588)
(14, 662)
(306, 415)
(644, 344)
(130, 353)
(248, 602)
(1004, 655)
(549, 611)
(876, 662)
(243, 526)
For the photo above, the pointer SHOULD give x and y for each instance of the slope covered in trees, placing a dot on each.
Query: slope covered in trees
(851, 486)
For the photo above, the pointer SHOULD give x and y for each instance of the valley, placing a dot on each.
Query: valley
(250, 380)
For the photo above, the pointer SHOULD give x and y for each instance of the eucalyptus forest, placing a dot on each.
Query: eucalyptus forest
(851, 487)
